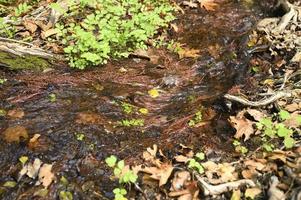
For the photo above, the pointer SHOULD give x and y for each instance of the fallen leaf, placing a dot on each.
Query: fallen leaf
(236, 195)
(14, 134)
(161, 173)
(191, 192)
(274, 193)
(252, 192)
(23, 159)
(48, 33)
(256, 114)
(208, 4)
(188, 53)
(292, 107)
(294, 121)
(16, 113)
(30, 25)
(249, 173)
(45, 175)
(88, 118)
(243, 126)
(10, 184)
(181, 158)
(219, 173)
(259, 166)
(190, 4)
(179, 180)
(31, 169)
(154, 93)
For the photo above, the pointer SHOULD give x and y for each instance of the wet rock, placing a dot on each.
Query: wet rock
(170, 81)
(15, 134)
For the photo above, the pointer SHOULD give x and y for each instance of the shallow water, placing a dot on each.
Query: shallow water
(89, 103)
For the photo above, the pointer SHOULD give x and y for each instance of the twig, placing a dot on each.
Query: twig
(16, 41)
(140, 190)
(259, 103)
(225, 187)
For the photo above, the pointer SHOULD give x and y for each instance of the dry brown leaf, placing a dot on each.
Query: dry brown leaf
(45, 175)
(249, 173)
(252, 192)
(292, 107)
(89, 118)
(31, 169)
(152, 151)
(190, 4)
(14, 134)
(181, 158)
(256, 114)
(188, 53)
(179, 180)
(208, 4)
(30, 25)
(243, 126)
(294, 121)
(16, 113)
(161, 173)
(48, 33)
(33, 142)
(175, 27)
(190, 193)
(219, 173)
(258, 165)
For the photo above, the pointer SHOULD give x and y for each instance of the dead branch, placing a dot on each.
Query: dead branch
(225, 187)
(263, 102)
(20, 50)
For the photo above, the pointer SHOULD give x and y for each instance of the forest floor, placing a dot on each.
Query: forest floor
(219, 119)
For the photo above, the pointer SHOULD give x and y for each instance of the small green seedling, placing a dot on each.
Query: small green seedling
(52, 98)
(132, 122)
(277, 129)
(195, 165)
(127, 108)
(2, 80)
(124, 175)
(80, 136)
(196, 119)
(239, 148)
(22, 9)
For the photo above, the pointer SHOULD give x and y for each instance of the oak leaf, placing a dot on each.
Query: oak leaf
(188, 53)
(208, 4)
(243, 126)
(161, 173)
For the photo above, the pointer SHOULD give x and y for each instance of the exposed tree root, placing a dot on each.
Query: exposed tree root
(222, 188)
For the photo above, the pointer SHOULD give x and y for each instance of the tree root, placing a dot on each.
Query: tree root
(222, 188)
(263, 102)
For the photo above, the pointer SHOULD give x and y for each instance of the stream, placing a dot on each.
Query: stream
(78, 114)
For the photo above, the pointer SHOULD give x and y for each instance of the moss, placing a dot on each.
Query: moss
(27, 62)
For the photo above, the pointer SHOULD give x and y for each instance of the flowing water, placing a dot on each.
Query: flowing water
(79, 126)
